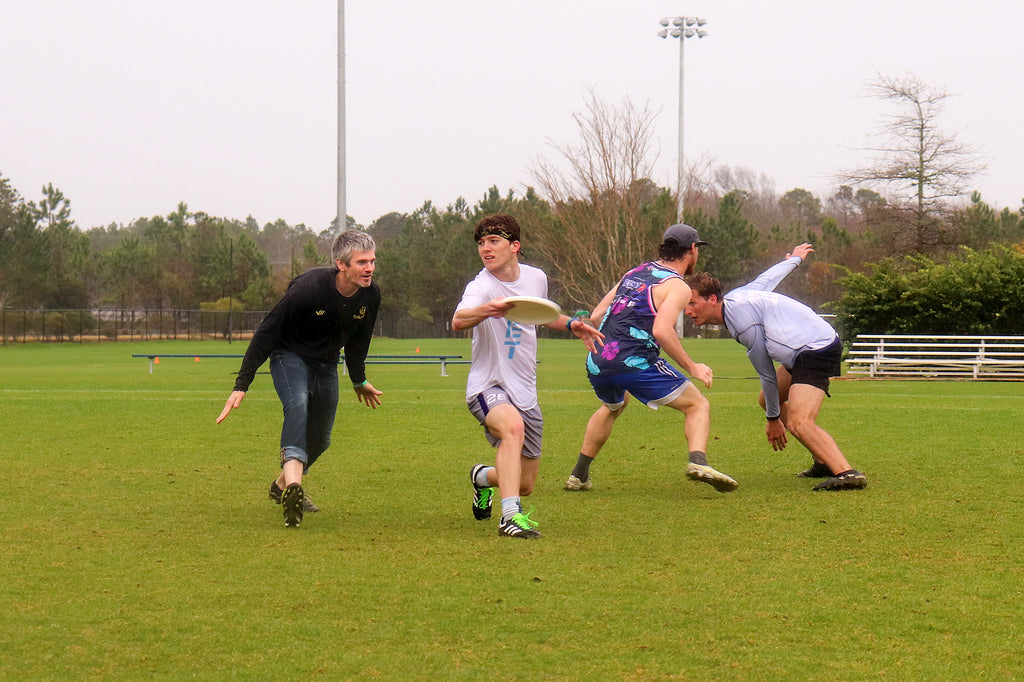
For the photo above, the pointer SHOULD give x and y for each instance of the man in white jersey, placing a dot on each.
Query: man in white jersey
(776, 328)
(501, 390)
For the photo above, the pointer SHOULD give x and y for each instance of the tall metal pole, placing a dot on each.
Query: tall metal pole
(681, 28)
(680, 167)
(231, 283)
(342, 209)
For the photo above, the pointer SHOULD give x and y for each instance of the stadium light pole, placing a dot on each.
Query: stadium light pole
(682, 28)
(342, 209)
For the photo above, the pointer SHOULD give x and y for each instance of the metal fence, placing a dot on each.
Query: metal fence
(113, 325)
(104, 325)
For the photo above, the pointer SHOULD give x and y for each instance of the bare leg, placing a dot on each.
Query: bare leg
(529, 468)
(785, 381)
(291, 472)
(804, 403)
(697, 427)
(505, 423)
(692, 403)
(599, 429)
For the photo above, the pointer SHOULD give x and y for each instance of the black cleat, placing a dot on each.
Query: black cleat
(519, 526)
(848, 480)
(482, 497)
(307, 504)
(817, 470)
(292, 500)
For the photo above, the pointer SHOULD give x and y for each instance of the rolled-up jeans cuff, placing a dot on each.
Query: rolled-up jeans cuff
(291, 452)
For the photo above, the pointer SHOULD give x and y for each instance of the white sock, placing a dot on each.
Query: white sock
(481, 478)
(510, 506)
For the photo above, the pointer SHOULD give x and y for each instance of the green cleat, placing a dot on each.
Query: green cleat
(482, 497)
(520, 526)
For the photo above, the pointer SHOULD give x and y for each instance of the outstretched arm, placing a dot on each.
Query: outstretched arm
(773, 276)
(801, 251)
(580, 329)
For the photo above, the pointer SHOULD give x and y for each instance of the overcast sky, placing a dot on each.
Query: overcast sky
(131, 106)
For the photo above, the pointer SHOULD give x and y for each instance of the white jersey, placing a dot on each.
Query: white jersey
(504, 352)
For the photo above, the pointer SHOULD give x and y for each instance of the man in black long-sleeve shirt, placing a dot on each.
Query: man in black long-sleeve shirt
(324, 310)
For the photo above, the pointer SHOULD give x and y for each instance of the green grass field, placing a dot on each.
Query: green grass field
(138, 542)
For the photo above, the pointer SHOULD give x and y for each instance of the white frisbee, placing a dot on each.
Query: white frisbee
(532, 310)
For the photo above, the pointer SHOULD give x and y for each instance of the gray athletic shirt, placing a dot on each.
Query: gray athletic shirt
(773, 327)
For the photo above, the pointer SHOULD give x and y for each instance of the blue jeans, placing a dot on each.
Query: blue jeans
(309, 395)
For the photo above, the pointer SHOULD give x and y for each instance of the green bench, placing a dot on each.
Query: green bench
(418, 359)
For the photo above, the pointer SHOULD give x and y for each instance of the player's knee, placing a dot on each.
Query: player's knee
(800, 426)
(515, 431)
(700, 405)
(526, 488)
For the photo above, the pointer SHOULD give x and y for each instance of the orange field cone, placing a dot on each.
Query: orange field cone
(417, 350)
(197, 358)
(156, 360)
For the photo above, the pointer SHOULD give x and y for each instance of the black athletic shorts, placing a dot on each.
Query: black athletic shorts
(814, 367)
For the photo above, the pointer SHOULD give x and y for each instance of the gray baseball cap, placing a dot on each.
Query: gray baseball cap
(684, 235)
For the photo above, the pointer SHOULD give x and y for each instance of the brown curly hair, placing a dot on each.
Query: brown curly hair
(705, 285)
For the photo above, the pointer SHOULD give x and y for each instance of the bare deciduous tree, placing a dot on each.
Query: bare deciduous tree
(701, 190)
(756, 189)
(607, 215)
(924, 165)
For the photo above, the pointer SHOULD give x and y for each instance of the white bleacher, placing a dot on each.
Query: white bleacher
(937, 357)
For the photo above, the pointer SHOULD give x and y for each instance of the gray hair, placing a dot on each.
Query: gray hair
(350, 241)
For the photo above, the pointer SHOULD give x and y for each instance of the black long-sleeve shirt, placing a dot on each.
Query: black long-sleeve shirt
(315, 322)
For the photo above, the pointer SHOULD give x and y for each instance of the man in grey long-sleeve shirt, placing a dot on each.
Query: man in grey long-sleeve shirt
(776, 328)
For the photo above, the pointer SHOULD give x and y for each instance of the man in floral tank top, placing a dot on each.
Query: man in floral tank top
(637, 318)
